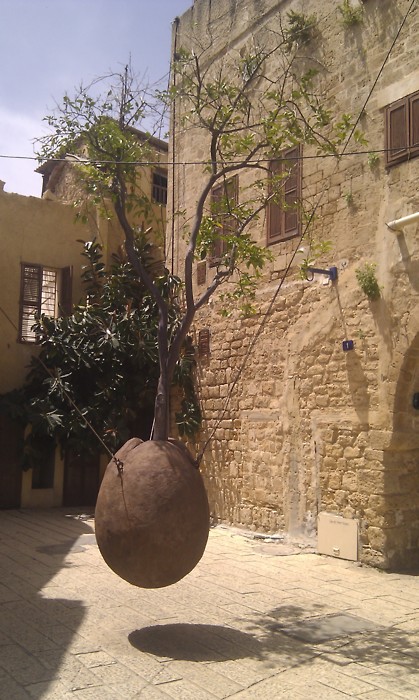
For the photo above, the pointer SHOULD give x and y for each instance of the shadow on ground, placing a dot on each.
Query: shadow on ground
(195, 642)
(286, 635)
(36, 626)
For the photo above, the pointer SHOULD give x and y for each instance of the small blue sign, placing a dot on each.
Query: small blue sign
(347, 345)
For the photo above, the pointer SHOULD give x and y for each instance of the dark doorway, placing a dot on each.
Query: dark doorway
(11, 442)
(81, 479)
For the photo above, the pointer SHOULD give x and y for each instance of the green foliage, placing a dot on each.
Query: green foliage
(367, 280)
(373, 159)
(189, 418)
(300, 29)
(101, 363)
(247, 113)
(349, 199)
(97, 131)
(350, 15)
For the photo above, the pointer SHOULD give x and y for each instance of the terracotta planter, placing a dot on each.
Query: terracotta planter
(152, 521)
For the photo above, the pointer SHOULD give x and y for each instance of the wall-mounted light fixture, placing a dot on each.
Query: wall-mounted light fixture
(331, 273)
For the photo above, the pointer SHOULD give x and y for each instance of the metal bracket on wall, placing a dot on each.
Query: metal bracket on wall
(331, 273)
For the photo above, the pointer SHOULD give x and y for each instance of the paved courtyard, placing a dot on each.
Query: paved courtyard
(255, 619)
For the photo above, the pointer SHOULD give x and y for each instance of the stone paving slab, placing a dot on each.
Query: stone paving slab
(256, 619)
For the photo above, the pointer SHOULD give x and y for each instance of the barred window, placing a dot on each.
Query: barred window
(224, 198)
(43, 290)
(159, 187)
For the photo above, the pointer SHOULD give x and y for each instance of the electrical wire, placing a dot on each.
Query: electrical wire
(265, 316)
(145, 163)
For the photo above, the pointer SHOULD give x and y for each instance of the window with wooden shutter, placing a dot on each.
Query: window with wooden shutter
(30, 300)
(201, 272)
(224, 199)
(414, 125)
(43, 290)
(159, 187)
(402, 129)
(283, 216)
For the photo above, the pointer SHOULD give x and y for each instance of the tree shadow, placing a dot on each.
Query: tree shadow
(287, 635)
(401, 464)
(358, 385)
(36, 627)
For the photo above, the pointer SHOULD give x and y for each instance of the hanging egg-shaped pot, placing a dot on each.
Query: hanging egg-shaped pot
(152, 514)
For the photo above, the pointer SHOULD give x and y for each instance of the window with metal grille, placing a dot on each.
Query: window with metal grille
(43, 290)
(283, 216)
(402, 130)
(224, 198)
(159, 187)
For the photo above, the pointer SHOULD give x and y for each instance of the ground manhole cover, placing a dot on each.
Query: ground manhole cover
(325, 629)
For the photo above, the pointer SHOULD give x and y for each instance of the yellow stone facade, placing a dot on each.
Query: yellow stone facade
(310, 428)
(45, 232)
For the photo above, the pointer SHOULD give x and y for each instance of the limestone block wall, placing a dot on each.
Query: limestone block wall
(308, 427)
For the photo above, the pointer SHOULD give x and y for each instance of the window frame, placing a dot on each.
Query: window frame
(277, 227)
(159, 190)
(228, 223)
(400, 137)
(32, 301)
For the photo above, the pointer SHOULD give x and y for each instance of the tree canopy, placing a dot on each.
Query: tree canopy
(245, 110)
(98, 368)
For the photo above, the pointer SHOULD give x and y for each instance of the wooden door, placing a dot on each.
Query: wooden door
(81, 479)
(11, 443)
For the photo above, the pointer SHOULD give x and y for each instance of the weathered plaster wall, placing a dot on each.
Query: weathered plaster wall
(64, 185)
(32, 230)
(309, 427)
(39, 231)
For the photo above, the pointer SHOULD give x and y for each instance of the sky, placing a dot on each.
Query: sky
(48, 47)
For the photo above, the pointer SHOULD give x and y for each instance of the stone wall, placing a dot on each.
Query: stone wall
(308, 427)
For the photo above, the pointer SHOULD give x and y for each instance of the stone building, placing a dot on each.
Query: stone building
(40, 266)
(316, 426)
(40, 263)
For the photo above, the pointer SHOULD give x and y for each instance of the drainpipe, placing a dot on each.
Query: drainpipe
(397, 224)
(172, 78)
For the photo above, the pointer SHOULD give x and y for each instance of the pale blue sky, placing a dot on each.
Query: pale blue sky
(48, 47)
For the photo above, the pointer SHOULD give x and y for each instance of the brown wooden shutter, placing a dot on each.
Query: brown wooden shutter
(274, 208)
(201, 272)
(204, 341)
(66, 300)
(414, 124)
(291, 194)
(216, 248)
(232, 196)
(397, 132)
(30, 300)
(223, 197)
(284, 216)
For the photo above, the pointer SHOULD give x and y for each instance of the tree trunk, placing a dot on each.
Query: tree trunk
(161, 411)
